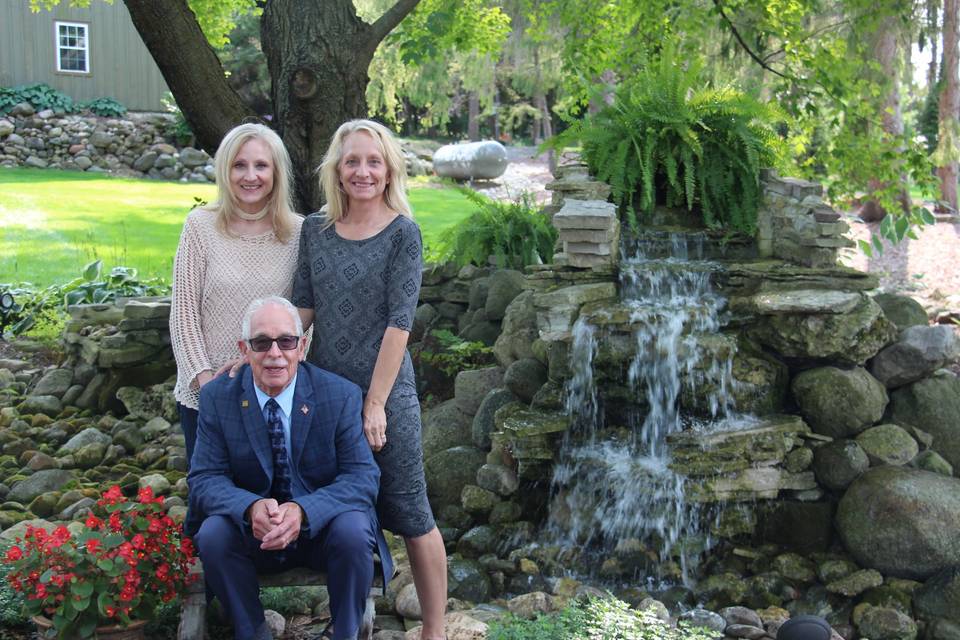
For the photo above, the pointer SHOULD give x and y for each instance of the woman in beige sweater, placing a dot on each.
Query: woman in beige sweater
(235, 250)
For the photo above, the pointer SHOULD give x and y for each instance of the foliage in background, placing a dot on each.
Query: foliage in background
(40, 95)
(456, 354)
(600, 618)
(31, 305)
(107, 107)
(179, 130)
(245, 64)
(666, 132)
(43, 96)
(514, 233)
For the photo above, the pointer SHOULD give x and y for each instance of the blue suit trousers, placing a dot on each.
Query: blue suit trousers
(344, 550)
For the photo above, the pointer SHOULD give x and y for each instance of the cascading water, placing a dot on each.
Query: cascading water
(615, 485)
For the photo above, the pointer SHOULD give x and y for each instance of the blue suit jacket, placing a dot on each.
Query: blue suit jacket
(232, 465)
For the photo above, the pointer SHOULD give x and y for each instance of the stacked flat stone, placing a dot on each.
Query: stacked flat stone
(121, 344)
(573, 181)
(589, 233)
(795, 224)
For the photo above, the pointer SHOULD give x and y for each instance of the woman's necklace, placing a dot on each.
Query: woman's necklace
(252, 217)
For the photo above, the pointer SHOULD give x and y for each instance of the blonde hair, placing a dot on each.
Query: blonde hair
(395, 194)
(280, 199)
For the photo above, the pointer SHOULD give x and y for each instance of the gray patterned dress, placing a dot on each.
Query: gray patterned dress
(358, 288)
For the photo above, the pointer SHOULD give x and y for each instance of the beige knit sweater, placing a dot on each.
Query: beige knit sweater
(215, 277)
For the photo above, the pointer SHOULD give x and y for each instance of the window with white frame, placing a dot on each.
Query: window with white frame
(73, 47)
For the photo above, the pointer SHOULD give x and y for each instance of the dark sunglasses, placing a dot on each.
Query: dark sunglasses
(263, 343)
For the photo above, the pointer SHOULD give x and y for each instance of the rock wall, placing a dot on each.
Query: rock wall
(136, 145)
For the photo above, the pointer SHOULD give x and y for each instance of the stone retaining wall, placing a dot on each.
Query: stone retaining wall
(139, 144)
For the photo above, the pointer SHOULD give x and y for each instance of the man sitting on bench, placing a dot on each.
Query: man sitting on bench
(282, 476)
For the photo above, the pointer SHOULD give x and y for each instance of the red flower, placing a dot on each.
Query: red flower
(93, 522)
(93, 546)
(14, 554)
(145, 495)
(113, 495)
(115, 523)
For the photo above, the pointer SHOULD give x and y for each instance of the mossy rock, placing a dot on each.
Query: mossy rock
(839, 402)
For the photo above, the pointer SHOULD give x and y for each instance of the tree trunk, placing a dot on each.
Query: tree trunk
(318, 53)
(885, 53)
(473, 116)
(190, 67)
(932, 19)
(949, 128)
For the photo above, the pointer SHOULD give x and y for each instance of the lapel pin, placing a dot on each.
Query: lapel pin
(244, 403)
(304, 410)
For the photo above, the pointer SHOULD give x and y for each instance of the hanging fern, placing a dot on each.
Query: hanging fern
(701, 146)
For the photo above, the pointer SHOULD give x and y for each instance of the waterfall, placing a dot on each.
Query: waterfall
(614, 485)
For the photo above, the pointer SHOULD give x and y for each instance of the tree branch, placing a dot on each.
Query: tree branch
(190, 67)
(743, 44)
(389, 20)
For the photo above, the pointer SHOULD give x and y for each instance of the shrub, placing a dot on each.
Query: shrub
(43, 305)
(107, 107)
(179, 130)
(607, 618)
(456, 354)
(41, 96)
(692, 144)
(515, 233)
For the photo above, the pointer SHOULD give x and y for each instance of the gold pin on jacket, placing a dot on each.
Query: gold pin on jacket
(244, 403)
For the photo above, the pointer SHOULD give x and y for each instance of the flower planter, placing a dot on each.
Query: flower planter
(111, 632)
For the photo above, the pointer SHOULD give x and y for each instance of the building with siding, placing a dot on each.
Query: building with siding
(85, 53)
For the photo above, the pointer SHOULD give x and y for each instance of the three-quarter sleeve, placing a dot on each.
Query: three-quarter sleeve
(186, 332)
(302, 294)
(404, 273)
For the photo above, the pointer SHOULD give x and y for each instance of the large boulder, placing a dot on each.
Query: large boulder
(933, 405)
(473, 385)
(902, 311)
(848, 338)
(525, 377)
(448, 472)
(54, 383)
(902, 522)
(518, 332)
(888, 444)
(90, 435)
(504, 285)
(445, 426)
(918, 352)
(939, 597)
(838, 463)
(483, 424)
(839, 402)
(471, 160)
(37, 484)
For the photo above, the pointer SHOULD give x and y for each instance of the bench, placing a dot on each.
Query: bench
(194, 612)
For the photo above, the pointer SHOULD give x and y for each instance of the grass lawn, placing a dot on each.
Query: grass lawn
(54, 222)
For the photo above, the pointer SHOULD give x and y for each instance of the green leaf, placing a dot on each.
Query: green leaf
(104, 600)
(83, 589)
(902, 224)
(82, 605)
(926, 216)
(92, 271)
(105, 564)
(46, 575)
(87, 627)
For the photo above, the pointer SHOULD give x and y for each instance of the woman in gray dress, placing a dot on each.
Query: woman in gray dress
(358, 282)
